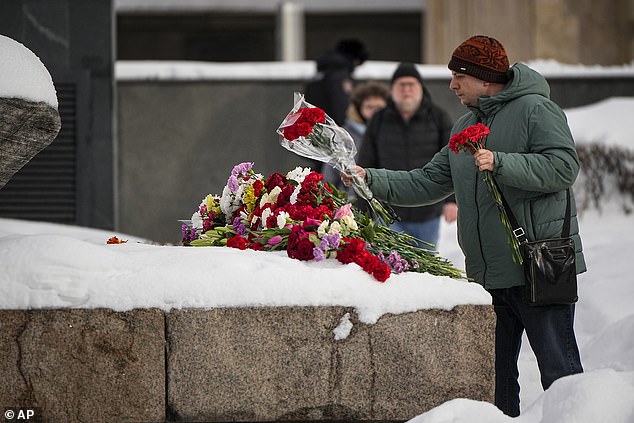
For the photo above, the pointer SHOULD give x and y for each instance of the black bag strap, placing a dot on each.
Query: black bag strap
(518, 231)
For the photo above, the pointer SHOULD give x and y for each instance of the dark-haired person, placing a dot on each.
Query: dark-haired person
(532, 155)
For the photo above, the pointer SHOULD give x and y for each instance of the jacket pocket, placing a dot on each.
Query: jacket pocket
(547, 216)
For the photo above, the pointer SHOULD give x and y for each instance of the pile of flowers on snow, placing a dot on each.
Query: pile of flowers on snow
(310, 220)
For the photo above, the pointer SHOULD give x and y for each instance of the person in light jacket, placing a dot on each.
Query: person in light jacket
(532, 155)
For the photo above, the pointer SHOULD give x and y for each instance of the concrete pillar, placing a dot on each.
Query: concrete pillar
(290, 32)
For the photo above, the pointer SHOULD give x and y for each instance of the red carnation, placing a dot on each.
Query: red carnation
(366, 260)
(345, 256)
(322, 212)
(275, 180)
(299, 246)
(237, 242)
(257, 188)
(313, 115)
(352, 248)
(256, 246)
(285, 195)
(299, 129)
(470, 138)
(271, 221)
(381, 272)
(304, 123)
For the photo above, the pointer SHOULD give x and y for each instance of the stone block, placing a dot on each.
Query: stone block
(84, 365)
(26, 128)
(269, 364)
(250, 364)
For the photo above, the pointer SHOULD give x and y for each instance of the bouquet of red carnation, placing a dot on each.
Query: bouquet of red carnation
(472, 139)
(309, 219)
(308, 131)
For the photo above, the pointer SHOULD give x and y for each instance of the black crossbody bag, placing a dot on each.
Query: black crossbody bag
(549, 264)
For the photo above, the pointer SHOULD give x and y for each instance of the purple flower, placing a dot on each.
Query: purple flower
(397, 263)
(318, 254)
(188, 234)
(330, 242)
(238, 226)
(323, 245)
(241, 169)
(333, 240)
(232, 183)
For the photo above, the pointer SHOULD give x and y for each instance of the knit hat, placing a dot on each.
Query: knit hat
(481, 57)
(406, 69)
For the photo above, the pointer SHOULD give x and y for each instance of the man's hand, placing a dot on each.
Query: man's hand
(348, 178)
(484, 159)
(450, 212)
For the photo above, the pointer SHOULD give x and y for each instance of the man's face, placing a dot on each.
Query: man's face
(467, 88)
(407, 93)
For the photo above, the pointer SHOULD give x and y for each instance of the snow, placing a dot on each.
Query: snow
(77, 269)
(131, 70)
(614, 113)
(56, 266)
(22, 74)
(263, 6)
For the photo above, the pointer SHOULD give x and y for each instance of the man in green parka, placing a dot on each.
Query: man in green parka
(532, 155)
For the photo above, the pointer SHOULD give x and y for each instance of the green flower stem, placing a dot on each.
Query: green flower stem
(510, 238)
(383, 239)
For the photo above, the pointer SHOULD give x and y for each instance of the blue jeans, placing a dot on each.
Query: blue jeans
(427, 230)
(550, 333)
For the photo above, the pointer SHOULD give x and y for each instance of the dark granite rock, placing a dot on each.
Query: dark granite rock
(26, 128)
(269, 364)
(84, 365)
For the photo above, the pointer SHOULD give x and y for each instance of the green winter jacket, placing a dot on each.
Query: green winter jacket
(535, 162)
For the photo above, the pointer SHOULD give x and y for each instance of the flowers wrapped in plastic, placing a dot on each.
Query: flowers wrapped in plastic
(308, 131)
(471, 139)
(310, 220)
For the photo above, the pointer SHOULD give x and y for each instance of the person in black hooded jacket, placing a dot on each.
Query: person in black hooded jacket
(405, 135)
(332, 85)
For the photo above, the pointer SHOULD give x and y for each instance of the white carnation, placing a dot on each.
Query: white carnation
(197, 221)
(335, 228)
(350, 222)
(281, 219)
(323, 227)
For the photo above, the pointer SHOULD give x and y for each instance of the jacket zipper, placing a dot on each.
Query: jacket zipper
(488, 121)
(533, 290)
(484, 272)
